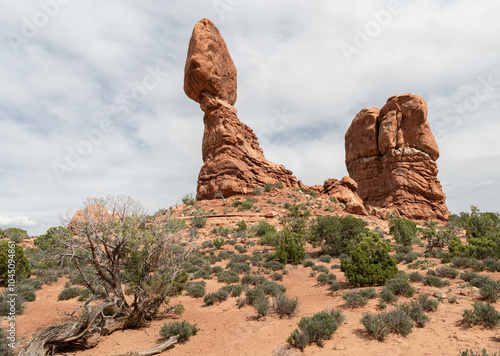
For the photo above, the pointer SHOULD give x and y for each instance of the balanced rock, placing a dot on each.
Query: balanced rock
(391, 153)
(233, 161)
(344, 191)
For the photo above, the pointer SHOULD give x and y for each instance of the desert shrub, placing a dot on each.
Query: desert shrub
(239, 267)
(467, 262)
(5, 308)
(276, 276)
(403, 230)
(9, 249)
(415, 277)
(239, 258)
(237, 289)
(283, 350)
(216, 297)
(482, 314)
(272, 288)
(489, 292)
(335, 286)
(316, 328)
(240, 248)
(398, 321)
(400, 286)
(219, 242)
(447, 271)
(228, 277)
(252, 279)
(188, 199)
(308, 263)
(262, 305)
(263, 227)
(207, 244)
(435, 281)
(36, 282)
(326, 278)
(216, 269)
(284, 306)
(269, 238)
(13, 234)
(274, 265)
(402, 249)
(199, 221)
(388, 296)
(182, 328)
(415, 312)
(290, 247)
(196, 289)
(370, 262)
(375, 325)
(27, 295)
(427, 304)
(358, 298)
(225, 255)
(468, 352)
(491, 265)
(5, 349)
(325, 258)
(252, 294)
(335, 233)
(320, 268)
(221, 231)
(69, 293)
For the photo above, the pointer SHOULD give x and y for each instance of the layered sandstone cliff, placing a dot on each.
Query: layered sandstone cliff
(391, 153)
(233, 161)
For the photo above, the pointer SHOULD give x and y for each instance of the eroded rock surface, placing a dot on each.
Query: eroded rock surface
(233, 161)
(391, 153)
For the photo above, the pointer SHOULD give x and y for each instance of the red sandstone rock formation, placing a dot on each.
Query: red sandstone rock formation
(233, 162)
(391, 153)
(344, 191)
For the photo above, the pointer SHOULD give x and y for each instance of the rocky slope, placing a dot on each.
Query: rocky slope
(233, 161)
(391, 153)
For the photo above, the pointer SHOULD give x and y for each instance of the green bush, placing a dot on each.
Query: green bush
(5, 308)
(388, 296)
(359, 298)
(69, 293)
(415, 277)
(47, 241)
(489, 292)
(219, 242)
(239, 267)
(276, 276)
(398, 322)
(290, 247)
(325, 258)
(199, 221)
(285, 306)
(400, 286)
(375, 325)
(262, 305)
(468, 352)
(370, 262)
(228, 277)
(5, 349)
(403, 230)
(263, 228)
(274, 265)
(482, 314)
(12, 252)
(181, 328)
(415, 312)
(308, 263)
(335, 233)
(253, 279)
(216, 297)
(326, 278)
(316, 328)
(13, 234)
(435, 281)
(196, 289)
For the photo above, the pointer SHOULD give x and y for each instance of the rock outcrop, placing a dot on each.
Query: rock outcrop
(344, 191)
(391, 153)
(233, 161)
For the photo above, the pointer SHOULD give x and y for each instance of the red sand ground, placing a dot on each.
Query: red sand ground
(227, 330)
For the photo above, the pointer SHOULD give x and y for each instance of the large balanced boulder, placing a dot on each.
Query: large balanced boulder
(233, 161)
(391, 153)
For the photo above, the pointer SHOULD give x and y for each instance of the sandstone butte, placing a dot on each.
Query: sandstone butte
(390, 153)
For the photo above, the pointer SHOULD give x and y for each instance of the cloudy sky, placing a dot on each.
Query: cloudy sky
(92, 101)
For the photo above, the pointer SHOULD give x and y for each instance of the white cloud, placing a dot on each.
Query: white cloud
(16, 221)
